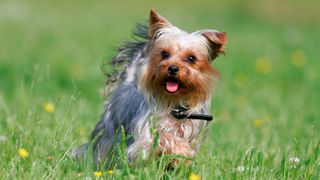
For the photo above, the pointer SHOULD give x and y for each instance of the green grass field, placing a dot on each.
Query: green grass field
(267, 116)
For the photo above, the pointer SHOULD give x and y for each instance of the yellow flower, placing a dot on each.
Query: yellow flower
(194, 177)
(241, 101)
(110, 172)
(241, 79)
(266, 117)
(263, 65)
(80, 130)
(298, 58)
(48, 107)
(97, 173)
(23, 153)
(224, 116)
(77, 71)
(257, 123)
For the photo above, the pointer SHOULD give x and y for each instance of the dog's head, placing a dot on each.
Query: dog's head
(179, 68)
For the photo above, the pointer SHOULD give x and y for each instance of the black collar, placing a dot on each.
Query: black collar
(181, 113)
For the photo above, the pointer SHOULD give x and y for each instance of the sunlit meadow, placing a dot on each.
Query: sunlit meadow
(266, 108)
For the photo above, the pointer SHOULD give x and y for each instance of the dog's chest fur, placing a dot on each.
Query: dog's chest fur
(174, 136)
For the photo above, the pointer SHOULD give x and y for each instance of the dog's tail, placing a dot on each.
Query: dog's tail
(130, 54)
(124, 68)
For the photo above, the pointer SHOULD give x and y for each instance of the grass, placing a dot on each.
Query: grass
(266, 109)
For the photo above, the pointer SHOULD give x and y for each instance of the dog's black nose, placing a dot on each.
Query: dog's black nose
(173, 70)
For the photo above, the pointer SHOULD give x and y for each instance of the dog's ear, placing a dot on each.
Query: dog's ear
(217, 41)
(156, 22)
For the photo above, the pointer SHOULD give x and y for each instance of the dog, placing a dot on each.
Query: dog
(161, 99)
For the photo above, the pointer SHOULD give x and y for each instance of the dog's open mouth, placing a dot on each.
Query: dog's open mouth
(172, 85)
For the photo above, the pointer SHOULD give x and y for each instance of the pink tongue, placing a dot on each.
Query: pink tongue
(172, 86)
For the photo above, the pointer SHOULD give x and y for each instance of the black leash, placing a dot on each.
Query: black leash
(181, 113)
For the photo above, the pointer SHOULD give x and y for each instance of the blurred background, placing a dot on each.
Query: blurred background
(51, 54)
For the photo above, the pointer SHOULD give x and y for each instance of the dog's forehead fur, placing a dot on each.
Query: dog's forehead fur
(178, 40)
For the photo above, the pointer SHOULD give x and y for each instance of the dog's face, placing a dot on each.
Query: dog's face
(179, 69)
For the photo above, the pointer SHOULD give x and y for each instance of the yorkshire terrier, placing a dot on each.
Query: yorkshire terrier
(161, 99)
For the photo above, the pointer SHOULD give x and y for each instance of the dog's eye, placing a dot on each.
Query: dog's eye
(165, 55)
(191, 58)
